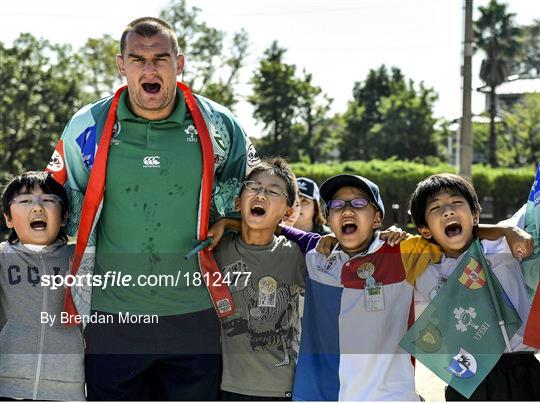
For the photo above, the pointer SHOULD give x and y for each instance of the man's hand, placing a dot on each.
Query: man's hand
(394, 235)
(218, 229)
(520, 242)
(326, 244)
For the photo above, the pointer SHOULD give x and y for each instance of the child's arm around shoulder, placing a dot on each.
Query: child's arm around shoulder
(520, 242)
(392, 236)
(417, 253)
(305, 240)
(218, 228)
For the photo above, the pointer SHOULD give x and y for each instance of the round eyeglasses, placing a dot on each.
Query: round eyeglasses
(270, 190)
(358, 203)
(28, 200)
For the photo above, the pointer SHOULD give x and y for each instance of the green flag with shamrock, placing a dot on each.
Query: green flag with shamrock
(462, 333)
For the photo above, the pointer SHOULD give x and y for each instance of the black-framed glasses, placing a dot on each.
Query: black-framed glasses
(28, 200)
(358, 203)
(270, 190)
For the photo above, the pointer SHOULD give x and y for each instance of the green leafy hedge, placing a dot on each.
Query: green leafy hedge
(502, 191)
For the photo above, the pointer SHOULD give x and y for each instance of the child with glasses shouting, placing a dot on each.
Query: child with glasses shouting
(265, 274)
(359, 300)
(41, 359)
(260, 343)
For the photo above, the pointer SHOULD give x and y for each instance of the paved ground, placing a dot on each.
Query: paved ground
(428, 385)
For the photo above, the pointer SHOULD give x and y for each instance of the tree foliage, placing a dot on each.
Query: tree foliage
(502, 191)
(292, 109)
(275, 94)
(211, 69)
(497, 36)
(389, 116)
(40, 90)
(523, 129)
(43, 84)
(98, 57)
(527, 62)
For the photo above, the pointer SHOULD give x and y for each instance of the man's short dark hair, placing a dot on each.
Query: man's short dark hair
(434, 184)
(277, 167)
(148, 27)
(24, 183)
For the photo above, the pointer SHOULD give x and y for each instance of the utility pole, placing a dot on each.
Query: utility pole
(466, 149)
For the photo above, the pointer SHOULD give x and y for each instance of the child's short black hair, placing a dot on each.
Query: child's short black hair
(434, 184)
(277, 166)
(24, 183)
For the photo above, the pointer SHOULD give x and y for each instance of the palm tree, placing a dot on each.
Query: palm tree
(496, 34)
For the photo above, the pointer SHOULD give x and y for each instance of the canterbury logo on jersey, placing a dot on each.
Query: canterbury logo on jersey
(151, 162)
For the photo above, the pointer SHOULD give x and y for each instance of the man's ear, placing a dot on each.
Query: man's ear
(9, 224)
(180, 64)
(377, 220)
(120, 65)
(425, 232)
(237, 204)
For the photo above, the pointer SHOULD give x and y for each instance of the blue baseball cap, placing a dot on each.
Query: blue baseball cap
(333, 184)
(308, 188)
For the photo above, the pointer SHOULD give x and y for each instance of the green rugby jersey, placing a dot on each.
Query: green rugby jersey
(149, 216)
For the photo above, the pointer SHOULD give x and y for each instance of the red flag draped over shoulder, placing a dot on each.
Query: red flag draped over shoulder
(219, 292)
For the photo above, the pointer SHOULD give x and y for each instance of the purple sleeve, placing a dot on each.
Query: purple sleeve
(305, 240)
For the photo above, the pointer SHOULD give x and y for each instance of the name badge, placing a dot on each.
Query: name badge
(267, 292)
(374, 297)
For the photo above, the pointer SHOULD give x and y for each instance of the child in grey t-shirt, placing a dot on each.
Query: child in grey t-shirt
(265, 274)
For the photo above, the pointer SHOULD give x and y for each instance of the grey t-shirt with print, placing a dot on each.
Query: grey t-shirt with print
(260, 341)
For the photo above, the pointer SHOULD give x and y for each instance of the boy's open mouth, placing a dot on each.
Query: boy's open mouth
(152, 88)
(257, 210)
(38, 224)
(452, 229)
(348, 227)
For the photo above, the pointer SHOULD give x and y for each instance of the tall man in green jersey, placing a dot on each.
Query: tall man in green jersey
(146, 170)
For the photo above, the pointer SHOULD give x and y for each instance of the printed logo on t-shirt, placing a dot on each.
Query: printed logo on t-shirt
(151, 161)
(269, 318)
(267, 292)
(115, 133)
(236, 275)
(192, 134)
(329, 264)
